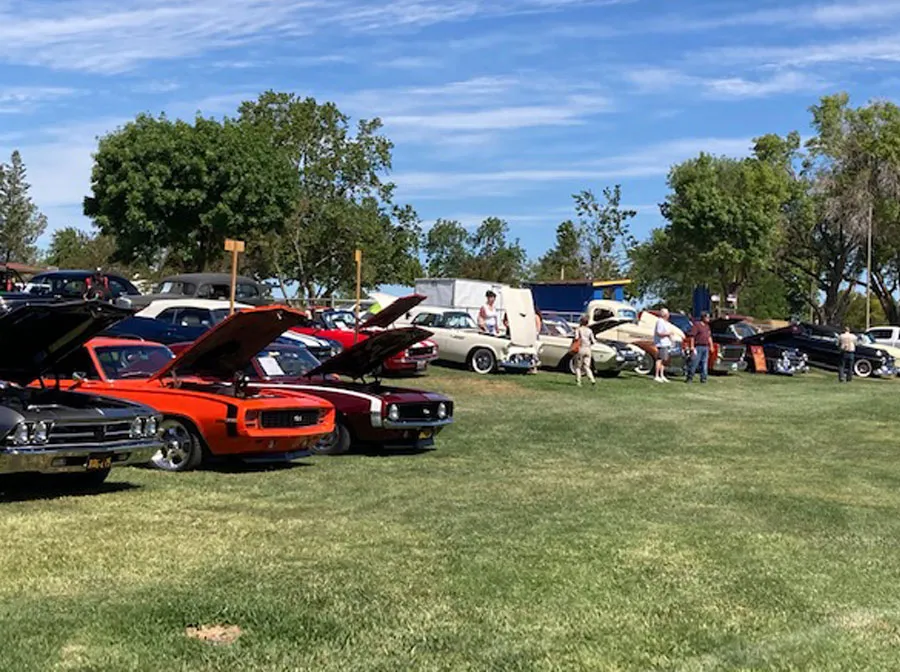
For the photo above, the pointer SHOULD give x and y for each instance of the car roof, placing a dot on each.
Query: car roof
(207, 277)
(76, 274)
(188, 302)
(106, 341)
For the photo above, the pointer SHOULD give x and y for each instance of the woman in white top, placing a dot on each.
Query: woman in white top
(662, 339)
(487, 316)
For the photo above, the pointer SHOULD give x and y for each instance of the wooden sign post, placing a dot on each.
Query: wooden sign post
(357, 257)
(235, 247)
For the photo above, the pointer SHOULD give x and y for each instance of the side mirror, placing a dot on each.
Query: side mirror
(124, 302)
(78, 378)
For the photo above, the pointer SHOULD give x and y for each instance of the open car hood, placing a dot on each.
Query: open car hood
(232, 344)
(390, 314)
(611, 323)
(363, 358)
(35, 336)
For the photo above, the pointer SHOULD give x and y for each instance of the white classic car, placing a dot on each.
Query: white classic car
(460, 341)
(609, 357)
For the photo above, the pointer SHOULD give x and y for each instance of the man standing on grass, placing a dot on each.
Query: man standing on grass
(699, 343)
(847, 341)
(662, 339)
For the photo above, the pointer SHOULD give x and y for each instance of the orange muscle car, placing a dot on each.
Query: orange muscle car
(203, 416)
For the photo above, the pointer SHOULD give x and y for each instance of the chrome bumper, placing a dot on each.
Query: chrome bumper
(721, 366)
(68, 459)
(415, 424)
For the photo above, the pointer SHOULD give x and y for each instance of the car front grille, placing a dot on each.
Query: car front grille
(732, 352)
(89, 433)
(422, 411)
(287, 419)
(421, 351)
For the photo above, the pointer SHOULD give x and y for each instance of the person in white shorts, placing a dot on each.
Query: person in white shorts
(662, 339)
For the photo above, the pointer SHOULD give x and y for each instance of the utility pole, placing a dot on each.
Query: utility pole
(235, 247)
(357, 257)
(869, 273)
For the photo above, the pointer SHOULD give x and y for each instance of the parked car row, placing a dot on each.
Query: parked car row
(78, 402)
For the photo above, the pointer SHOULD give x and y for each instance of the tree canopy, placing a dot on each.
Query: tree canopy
(173, 191)
(21, 222)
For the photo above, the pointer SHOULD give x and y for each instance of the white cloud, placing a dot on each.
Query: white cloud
(25, 98)
(885, 48)
(651, 161)
(658, 80)
(96, 36)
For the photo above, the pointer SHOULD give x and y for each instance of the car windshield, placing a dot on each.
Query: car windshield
(339, 319)
(744, 330)
(866, 339)
(286, 362)
(132, 361)
(458, 321)
(174, 287)
(556, 328)
(627, 314)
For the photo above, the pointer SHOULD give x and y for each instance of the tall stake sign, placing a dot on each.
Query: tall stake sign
(235, 247)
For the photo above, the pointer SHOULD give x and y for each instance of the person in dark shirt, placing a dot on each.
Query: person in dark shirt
(699, 343)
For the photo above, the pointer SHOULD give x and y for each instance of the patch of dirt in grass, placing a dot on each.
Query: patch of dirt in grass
(72, 656)
(214, 634)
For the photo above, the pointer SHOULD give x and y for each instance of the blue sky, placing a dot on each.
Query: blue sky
(496, 107)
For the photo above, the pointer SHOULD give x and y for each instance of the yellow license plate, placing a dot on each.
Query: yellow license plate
(96, 463)
(425, 435)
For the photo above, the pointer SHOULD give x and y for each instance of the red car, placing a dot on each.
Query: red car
(337, 325)
(207, 411)
(368, 412)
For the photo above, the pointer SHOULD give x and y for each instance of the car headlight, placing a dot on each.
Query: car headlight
(21, 434)
(442, 410)
(137, 428)
(393, 412)
(152, 427)
(41, 432)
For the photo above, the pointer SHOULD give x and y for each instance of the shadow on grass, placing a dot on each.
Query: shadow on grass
(378, 451)
(241, 467)
(35, 487)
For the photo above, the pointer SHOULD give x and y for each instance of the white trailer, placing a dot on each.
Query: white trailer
(459, 293)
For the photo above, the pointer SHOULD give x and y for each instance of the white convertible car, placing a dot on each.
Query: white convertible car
(460, 341)
(609, 357)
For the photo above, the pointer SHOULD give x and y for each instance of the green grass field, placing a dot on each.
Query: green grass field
(751, 523)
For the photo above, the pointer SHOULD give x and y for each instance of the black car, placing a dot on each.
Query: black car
(820, 344)
(48, 430)
(783, 360)
(148, 329)
(208, 286)
(72, 285)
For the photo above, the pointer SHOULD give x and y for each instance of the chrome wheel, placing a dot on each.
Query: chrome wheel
(862, 368)
(335, 443)
(646, 365)
(483, 361)
(181, 448)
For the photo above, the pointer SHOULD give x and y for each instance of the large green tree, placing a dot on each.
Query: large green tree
(173, 191)
(604, 232)
(343, 200)
(21, 222)
(484, 254)
(71, 247)
(565, 260)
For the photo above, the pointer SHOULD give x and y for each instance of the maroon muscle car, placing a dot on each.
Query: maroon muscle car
(368, 412)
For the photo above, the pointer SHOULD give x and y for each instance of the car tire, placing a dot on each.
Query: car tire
(336, 443)
(87, 480)
(646, 366)
(482, 361)
(862, 368)
(183, 449)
